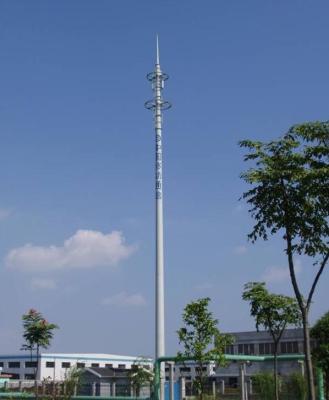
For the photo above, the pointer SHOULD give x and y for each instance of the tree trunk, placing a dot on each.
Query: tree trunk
(304, 308)
(201, 382)
(308, 357)
(36, 375)
(276, 383)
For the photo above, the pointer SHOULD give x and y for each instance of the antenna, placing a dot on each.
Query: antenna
(158, 53)
(157, 105)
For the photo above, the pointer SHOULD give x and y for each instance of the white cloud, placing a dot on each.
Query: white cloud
(124, 299)
(240, 249)
(85, 249)
(276, 274)
(5, 213)
(41, 283)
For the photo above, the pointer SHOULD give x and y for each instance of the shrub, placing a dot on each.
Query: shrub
(264, 386)
(296, 387)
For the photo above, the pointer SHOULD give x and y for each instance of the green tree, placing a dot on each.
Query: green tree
(320, 332)
(273, 312)
(37, 334)
(290, 197)
(141, 374)
(71, 383)
(201, 339)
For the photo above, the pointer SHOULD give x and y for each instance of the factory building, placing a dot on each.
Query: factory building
(55, 366)
(248, 343)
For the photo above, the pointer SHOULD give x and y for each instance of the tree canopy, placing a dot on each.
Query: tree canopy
(291, 181)
(38, 332)
(290, 197)
(271, 311)
(201, 338)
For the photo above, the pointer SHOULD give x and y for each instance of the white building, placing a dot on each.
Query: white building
(55, 366)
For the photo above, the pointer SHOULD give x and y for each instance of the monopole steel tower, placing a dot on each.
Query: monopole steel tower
(157, 105)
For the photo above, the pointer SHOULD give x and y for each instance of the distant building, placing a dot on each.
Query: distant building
(249, 343)
(55, 366)
(261, 343)
(109, 382)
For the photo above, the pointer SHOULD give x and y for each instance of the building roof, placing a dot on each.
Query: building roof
(290, 334)
(78, 356)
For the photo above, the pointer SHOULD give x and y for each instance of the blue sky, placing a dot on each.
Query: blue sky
(76, 159)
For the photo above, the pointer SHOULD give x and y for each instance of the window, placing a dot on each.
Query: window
(50, 364)
(1, 364)
(14, 364)
(122, 366)
(261, 348)
(81, 365)
(198, 369)
(95, 365)
(31, 364)
(283, 347)
(108, 365)
(269, 348)
(185, 369)
(66, 365)
(289, 347)
(246, 349)
(266, 348)
(249, 349)
(229, 349)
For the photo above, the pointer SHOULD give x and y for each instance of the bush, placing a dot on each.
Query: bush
(264, 386)
(296, 387)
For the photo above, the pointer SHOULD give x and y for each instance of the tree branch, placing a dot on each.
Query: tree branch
(293, 274)
(289, 249)
(315, 282)
(282, 330)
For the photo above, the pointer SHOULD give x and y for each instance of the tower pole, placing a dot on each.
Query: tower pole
(159, 280)
(157, 105)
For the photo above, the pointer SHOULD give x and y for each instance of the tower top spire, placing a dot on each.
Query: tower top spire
(158, 53)
(157, 78)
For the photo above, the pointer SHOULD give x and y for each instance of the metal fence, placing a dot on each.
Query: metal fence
(60, 389)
